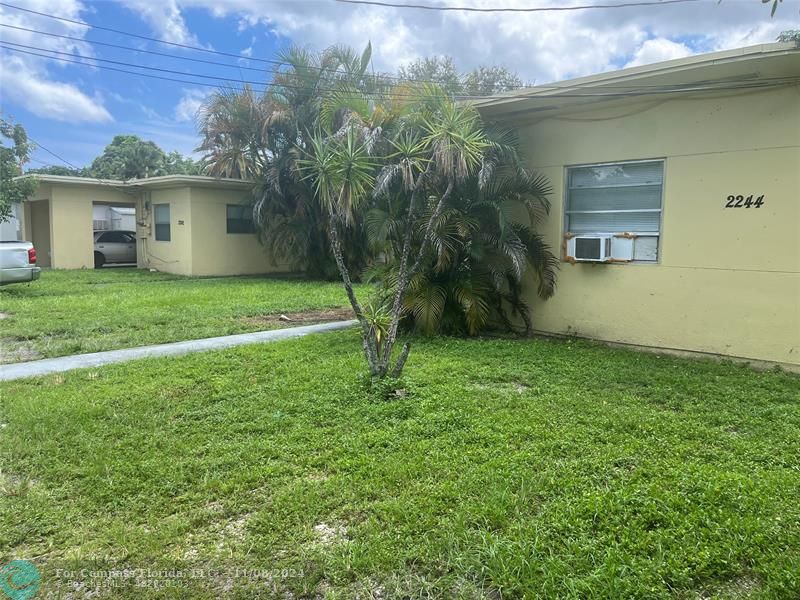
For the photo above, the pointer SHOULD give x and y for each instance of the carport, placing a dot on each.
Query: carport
(59, 218)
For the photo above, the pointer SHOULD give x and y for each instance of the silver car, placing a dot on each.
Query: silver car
(18, 262)
(112, 247)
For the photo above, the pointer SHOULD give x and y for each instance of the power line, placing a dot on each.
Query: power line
(51, 153)
(127, 64)
(207, 50)
(659, 90)
(136, 35)
(165, 54)
(512, 9)
(631, 93)
(628, 90)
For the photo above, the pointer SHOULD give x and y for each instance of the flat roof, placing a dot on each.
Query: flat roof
(728, 70)
(164, 181)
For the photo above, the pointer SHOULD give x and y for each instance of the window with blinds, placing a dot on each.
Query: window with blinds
(617, 198)
(162, 223)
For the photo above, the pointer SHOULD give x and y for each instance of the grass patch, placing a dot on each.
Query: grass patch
(72, 312)
(511, 469)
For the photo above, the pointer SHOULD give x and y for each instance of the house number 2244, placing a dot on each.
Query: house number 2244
(742, 202)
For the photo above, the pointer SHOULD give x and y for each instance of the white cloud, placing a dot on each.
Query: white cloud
(658, 50)
(165, 18)
(542, 46)
(46, 98)
(189, 104)
(32, 82)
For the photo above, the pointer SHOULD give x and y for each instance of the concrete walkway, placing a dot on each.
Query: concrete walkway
(96, 359)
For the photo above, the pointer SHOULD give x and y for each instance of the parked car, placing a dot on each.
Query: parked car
(18, 262)
(116, 246)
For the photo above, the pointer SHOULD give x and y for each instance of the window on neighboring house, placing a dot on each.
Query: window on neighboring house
(239, 218)
(161, 219)
(618, 198)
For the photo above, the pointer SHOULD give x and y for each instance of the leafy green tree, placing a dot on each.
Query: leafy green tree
(440, 70)
(485, 81)
(481, 81)
(12, 158)
(130, 157)
(59, 170)
(790, 35)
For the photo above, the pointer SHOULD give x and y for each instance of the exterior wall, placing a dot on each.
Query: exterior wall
(216, 252)
(727, 280)
(71, 238)
(174, 256)
(37, 230)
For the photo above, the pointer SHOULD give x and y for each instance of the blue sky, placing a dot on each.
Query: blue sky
(75, 109)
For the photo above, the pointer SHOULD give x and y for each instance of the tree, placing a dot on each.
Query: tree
(790, 35)
(482, 246)
(130, 157)
(12, 159)
(440, 151)
(59, 170)
(261, 136)
(485, 81)
(441, 70)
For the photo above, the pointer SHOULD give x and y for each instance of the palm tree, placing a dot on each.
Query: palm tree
(437, 145)
(261, 136)
(480, 249)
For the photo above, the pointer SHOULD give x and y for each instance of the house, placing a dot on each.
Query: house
(189, 225)
(687, 173)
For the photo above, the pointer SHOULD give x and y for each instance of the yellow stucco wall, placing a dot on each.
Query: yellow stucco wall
(37, 229)
(175, 255)
(71, 234)
(216, 252)
(200, 244)
(728, 280)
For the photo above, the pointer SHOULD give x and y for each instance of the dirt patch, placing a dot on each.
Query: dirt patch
(13, 350)
(311, 317)
(328, 535)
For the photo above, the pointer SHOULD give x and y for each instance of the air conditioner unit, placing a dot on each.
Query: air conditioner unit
(589, 248)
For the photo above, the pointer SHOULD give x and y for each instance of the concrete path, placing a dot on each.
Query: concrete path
(96, 359)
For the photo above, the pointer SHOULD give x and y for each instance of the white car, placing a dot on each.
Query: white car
(115, 246)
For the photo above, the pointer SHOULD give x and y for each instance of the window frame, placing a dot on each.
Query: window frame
(156, 222)
(657, 234)
(242, 208)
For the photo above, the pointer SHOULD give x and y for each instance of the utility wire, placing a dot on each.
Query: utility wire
(53, 154)
(627, 90)
(510, 9)
(207, 50)
(742, 86)
(132, 49)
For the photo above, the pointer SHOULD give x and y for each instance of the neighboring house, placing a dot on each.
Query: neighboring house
(699, 193)
(114, 217)
(10, 230)
(190, 225)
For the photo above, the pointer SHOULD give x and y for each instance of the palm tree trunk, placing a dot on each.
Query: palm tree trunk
(404, 276)
(367, 338)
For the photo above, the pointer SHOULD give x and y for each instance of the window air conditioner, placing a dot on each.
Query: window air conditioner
(589, 248)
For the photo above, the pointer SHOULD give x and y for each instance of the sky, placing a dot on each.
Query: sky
(74, 109)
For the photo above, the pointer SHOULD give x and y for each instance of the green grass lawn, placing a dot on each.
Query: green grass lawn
(509, 469)
(71, 312)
